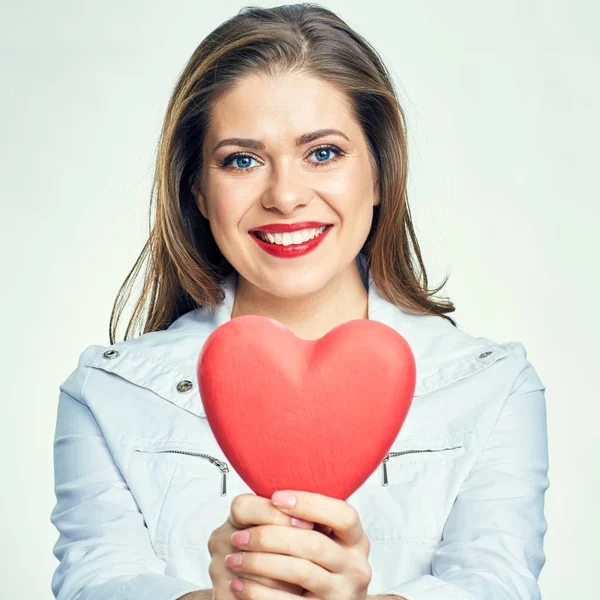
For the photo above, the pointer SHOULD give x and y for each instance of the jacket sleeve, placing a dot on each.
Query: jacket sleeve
(103, 546)
(492, 547)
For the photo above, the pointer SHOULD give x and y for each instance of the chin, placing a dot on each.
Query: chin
(292, 288)
(291, 285)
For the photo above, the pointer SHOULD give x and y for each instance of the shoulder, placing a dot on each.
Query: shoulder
(526, 377)
(75, 382)
(445, 354)
(155, 356)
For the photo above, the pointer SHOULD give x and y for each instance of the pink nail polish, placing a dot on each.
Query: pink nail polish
(301, 523)
(239, 538)
(234, 560)
(237, 585)
(284, 499)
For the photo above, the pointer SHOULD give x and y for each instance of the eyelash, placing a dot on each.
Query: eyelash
(225, 164)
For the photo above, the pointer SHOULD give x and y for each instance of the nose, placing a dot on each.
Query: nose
(286, 193)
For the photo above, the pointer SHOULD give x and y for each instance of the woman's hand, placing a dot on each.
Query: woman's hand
(328, 566)
(247, 510)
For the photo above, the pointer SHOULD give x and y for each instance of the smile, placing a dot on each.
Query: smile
(291, 244)
(295, 237)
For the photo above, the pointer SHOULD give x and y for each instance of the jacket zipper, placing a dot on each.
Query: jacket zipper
(392, 454)
(222, 465)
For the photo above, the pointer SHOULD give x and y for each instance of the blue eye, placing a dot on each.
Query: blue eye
(322, 151)
(241, 162)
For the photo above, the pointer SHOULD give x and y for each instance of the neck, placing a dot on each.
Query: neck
(342, 299)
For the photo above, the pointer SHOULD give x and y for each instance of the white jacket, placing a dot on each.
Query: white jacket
(139, 476)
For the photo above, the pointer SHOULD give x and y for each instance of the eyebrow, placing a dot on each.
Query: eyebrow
(301, 140)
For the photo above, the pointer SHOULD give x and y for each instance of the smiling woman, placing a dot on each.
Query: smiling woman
(281, 116)
(292, 188)
(280, 190)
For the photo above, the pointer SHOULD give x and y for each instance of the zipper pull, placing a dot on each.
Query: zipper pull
(224, 484)
(224, 470)
(385, 473)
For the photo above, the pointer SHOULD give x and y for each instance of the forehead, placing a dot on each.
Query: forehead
(286, 105)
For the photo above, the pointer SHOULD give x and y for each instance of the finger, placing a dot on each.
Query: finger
(272, 583)
(252, 589)
(302, 572)
(342, 517)
(308, 545)
(251, 509)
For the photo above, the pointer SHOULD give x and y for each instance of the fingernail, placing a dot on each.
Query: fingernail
(284, 499)
(237, 585)
(239, 538)
(301, 523)
(235, 559)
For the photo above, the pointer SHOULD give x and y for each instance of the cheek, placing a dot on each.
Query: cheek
(224, 204)
(224, 217)
(357, 211)
(355, 196)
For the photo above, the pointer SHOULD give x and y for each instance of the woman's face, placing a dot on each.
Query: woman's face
(269, 176)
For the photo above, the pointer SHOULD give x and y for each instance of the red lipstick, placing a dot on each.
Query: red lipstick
(287, 227)
(293, 250)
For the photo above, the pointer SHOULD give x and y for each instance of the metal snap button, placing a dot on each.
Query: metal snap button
(184, 386)
(485, 354)
(110, 354)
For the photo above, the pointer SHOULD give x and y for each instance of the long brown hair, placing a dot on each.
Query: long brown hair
(186, 268)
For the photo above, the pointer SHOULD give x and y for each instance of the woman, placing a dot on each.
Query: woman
(281, 191)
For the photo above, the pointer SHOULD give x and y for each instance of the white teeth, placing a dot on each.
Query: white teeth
(296, 237)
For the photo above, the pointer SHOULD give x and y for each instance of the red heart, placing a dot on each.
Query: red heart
(316, 416)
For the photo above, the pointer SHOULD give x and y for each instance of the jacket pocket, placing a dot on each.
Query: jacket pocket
(432, 454)
(185, 456)
(197, 497)
(409, 496)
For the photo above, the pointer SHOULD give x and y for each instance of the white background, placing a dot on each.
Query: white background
(502, 107)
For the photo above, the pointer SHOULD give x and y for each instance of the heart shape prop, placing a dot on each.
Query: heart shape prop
(311, 415)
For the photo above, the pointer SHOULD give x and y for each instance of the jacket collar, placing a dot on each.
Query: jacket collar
(431, 338)
(165, 361)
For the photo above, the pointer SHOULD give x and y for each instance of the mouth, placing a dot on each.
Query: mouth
(289, 238)
(291, 244)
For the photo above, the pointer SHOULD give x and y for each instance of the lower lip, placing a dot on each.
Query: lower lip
(293, 250)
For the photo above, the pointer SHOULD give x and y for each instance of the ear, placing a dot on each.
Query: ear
(200, 201)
